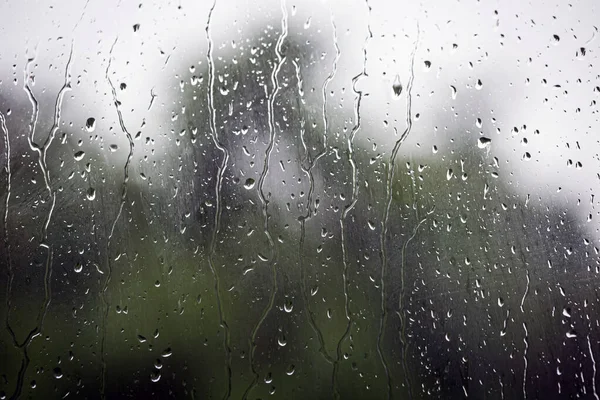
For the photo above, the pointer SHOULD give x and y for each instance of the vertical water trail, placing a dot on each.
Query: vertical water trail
(264, 201)
(303, 219)
(218, 195)
(124, 190)
(526, 290)
(593, 367)
(41, 151)
(526, 341)
(10, 274)
(400, 311)
(349, 207)
(384, 223)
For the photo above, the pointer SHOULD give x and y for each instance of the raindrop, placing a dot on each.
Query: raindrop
(307, 23)
(397, 86)
(79, 155)
(483, 142)
(58, 373)
(282, 341)
(479, 84)
(91, 194)
(90, 124)
(249, 184)
(555, 38)
(155, 376)
(269, 378)
(527, 156)
(123, 86)
(427, 64)
(453, 89)
(78, 267)
(113, 147)
(136, 27)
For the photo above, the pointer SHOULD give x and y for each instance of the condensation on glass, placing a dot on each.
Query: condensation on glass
(299, 199)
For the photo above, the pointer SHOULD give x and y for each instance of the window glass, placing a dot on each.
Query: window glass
(299, 199)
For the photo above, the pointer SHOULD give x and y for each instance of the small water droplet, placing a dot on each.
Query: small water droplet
(397, 86)
(307, 23)
(90, 124)
(555, 38)
(136, 27)
(113, 147)
(527, 156)
(78, 267)
(427, 64)
(453, 90)
(58, 373)
(123, 86)
(249, 184)
(479, 84)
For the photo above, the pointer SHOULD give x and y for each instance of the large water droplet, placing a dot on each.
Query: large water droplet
(79, 155)
(249, 184)
(90, 124)
(155, 376)
(91, 194)
(483, 142)
(453, 89)
(288, 306)
(397, 86)
(290, 370)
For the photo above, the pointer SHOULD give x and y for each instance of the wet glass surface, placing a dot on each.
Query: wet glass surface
(310, 199)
